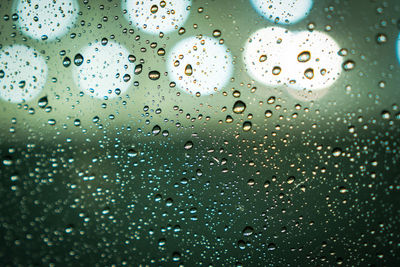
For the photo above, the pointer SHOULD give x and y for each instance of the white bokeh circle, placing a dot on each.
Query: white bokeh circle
(200, 65)
(46, 19)
(264, 55)
(155, 16)
(105, 71)
(323, 66)
(23, 73)
(305, 60)
(283, 11)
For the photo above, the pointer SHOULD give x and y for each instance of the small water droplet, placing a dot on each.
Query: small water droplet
(188, 70)
(248, 231)
(263, 58)
(381, 38)
(349, 65)
(138, 69)
(51, 122)
(217, 33)
(276, 70)
(336, 152)
(66, 62)
(385, 114)
(309, 73)
(304, 56)
(188, 145)
(132, 153)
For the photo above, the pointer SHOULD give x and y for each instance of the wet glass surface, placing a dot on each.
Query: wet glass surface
(199, 133)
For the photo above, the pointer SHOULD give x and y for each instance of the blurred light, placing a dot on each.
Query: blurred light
(264, 55)
(106, 70)
(398, 47)
(23, 73)
(155, 16)
(46, 19)
(200, 65)
(300, 60)
(283, 11)
(323, 66)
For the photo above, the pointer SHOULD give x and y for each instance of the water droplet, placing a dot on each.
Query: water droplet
(276, 70)
(21, 84)
(343, 52)
(154, 75)
(161, 52)
(131, 58)
(77, 122)
(126, 78)
(188, 145)
(66, 62)
(349, 65)
(271, 246)
(304, 56)
(343, 190)
(176, 256)
(188, 70)
(309, 73)
(263, 58)
(217, 33)
(181, 31)
(156, 130)
(381, 38)
(51, 122)
(271, 100)
(239, 107)
(43, 101)
(2, 74)
(268, 113)
(228, 119)
(385, 114)
(78, 60)
(336, 152)
(241, 244)
(248, 231)
(154, 9)
(290, 180)
(138, 69)
(247, 125)
(132, 153)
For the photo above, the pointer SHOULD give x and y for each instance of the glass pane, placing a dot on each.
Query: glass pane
(190, 132)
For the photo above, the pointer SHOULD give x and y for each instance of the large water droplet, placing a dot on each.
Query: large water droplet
(154, 75)
(78, 60)
(188, 70)
(239, 107)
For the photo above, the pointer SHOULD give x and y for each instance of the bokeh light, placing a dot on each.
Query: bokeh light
(106, 70)
(283, 11)
(300, 60)
(154, 16)
(46, 19)
(23, 73)
(200, 65)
